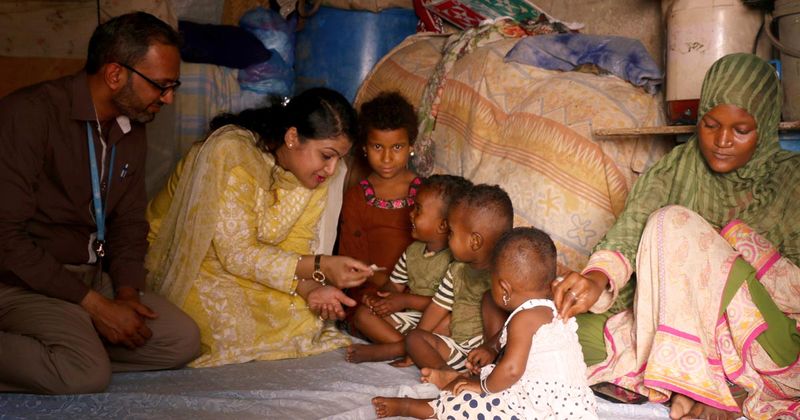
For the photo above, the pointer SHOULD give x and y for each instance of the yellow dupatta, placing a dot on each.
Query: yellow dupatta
(186, 231)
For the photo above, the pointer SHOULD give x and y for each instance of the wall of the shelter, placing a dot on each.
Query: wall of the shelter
(639, 19)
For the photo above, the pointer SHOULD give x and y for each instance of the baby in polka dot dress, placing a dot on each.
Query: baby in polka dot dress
(540, 373)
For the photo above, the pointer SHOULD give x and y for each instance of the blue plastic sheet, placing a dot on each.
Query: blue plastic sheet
(276, 75)
(623, 57)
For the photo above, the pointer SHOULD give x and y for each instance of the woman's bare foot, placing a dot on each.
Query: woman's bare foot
(438, 377)
(680, 406)
(405, 407)
(684, 407)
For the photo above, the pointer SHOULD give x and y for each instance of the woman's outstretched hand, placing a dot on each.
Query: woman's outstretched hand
(344, 272)
(576, 293)
(327, 302)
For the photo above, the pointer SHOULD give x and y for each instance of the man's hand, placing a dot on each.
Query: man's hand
(122, 320)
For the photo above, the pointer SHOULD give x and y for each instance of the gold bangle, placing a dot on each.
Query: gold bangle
(318, 276)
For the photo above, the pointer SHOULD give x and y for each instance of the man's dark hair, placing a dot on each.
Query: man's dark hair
(125, 39)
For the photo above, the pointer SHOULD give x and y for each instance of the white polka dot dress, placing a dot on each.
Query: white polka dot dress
(552, 387)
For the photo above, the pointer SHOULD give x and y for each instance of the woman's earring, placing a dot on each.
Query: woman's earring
(506, 299)
(411, 154)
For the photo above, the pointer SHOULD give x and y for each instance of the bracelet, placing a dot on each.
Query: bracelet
(295, 281)
(318, 276)
(484, 389)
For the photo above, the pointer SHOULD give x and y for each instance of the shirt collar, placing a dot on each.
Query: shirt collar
(124, 123)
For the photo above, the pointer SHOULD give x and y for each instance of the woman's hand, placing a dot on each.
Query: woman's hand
(462, 384)
(327, 301)
(344, 272)
(576, 293)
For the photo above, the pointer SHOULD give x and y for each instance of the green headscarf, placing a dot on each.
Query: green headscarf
(764, 193)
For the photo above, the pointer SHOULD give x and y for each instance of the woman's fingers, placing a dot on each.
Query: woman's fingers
(344, 299)
(579, 305)
(358, 268)
(560, 288)
(344, 272)
(328, 312)
(338, 312)
(569, 295)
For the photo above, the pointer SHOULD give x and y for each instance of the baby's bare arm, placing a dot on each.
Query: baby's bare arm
(521, 329)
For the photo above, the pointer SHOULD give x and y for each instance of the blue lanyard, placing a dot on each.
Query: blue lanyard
(97, 199)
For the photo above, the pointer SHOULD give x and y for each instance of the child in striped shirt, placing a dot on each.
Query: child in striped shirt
(387, 316)
(476, 219)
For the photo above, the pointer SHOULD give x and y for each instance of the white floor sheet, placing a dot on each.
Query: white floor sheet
(317, 387)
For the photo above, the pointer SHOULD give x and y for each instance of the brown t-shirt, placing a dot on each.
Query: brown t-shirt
(46, 212)
(372, 230)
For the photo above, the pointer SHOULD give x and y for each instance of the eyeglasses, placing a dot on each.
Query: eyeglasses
(163, 88)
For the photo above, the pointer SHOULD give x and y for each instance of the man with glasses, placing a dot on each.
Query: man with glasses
(73, 305)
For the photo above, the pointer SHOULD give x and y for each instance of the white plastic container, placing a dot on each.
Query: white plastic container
(698, 33)
(787, 14)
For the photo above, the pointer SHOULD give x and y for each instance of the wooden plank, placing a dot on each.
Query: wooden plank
(669, 130)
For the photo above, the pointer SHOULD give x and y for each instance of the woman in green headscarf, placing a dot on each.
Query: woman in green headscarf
(712, 232)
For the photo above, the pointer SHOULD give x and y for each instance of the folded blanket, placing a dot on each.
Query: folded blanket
(624, 57)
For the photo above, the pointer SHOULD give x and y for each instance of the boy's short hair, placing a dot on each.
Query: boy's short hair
(490, 200)
(447, 186)
(387, 111)
(532, 253)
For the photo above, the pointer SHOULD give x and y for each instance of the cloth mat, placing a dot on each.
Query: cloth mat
(317, 387)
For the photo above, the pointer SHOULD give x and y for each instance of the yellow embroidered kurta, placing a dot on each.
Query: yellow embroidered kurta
(245, 223)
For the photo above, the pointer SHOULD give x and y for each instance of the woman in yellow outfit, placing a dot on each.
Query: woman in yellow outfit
(232, 234)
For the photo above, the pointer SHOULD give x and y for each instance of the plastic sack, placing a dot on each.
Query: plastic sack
(623, 57)
(276, 75)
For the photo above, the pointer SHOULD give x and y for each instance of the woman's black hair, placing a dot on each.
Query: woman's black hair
(317, 114)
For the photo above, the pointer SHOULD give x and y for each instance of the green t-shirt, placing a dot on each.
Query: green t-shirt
(461, 292)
